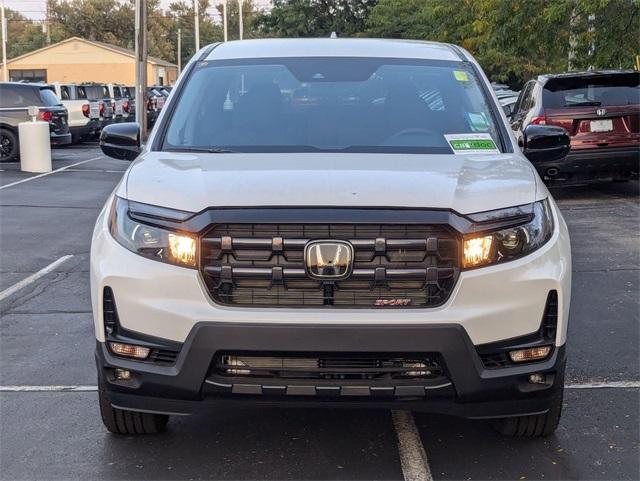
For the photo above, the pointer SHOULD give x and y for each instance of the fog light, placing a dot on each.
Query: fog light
(129, 350)
(233, 361)
(537, 378)
(531, 354)
(414, 365)
(122, 374)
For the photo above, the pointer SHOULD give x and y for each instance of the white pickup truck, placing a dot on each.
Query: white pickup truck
(332, 222)
(84, 114)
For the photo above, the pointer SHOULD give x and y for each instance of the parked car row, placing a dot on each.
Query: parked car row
(76, 112)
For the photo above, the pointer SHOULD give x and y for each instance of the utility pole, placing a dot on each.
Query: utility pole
(197, 23)
(240, 25)
(4, 28)
(224, 18)
(141, 65)
(179, 51)
(48, 25)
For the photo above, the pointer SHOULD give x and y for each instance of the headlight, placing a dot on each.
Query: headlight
(532, 228)
(149, 241)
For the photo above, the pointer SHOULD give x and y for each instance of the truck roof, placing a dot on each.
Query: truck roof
(335, 47)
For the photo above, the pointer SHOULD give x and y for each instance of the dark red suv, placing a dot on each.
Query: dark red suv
(601, 112)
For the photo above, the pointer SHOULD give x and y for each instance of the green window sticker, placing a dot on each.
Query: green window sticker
(472, 144)
(461, 75)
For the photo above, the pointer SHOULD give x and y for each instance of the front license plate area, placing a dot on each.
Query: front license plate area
(605, 125)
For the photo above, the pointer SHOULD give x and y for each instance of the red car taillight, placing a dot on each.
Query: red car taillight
(125, 106)
(113, 107)
(540, 120)
(85, 110)
(101, 108)
(46, 116)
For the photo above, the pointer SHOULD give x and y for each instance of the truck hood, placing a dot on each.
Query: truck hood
(466, 184)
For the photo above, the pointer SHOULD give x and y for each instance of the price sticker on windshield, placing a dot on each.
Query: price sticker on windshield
(472, 144)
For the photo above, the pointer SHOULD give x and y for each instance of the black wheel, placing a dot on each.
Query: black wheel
(121, 421)
(8, 146)
(539, 425)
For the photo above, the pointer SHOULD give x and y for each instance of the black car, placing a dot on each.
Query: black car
(15, 100)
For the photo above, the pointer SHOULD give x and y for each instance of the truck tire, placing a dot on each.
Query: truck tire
(121, 421)
(9, 147)
(534, 426)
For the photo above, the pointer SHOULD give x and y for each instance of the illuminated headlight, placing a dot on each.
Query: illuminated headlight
(151, 241)
(533, 227)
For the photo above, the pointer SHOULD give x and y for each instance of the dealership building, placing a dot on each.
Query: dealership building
(79, 60)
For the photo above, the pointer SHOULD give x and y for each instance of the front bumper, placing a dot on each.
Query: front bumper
(469, 389)
(592, 164)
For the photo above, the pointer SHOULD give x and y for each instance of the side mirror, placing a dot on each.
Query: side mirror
(545, 143)
(121, 141)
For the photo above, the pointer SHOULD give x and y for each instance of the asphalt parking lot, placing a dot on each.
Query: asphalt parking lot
(49, 421)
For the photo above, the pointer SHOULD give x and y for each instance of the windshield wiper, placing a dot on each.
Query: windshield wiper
(206, 150)
(584, 104)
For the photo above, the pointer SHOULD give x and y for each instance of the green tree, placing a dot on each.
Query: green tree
(515, 40)
(315, 18)
(249, 16)
(23, 34)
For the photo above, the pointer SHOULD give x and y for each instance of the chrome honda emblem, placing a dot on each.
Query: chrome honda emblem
(601, 112)
(328, 259)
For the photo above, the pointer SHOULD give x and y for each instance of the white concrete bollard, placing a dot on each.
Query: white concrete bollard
(35, 147)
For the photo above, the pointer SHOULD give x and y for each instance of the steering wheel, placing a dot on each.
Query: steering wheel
(410, 132)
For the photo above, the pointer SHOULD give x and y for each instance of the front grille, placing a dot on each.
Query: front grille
(394, 265)
(329, 367)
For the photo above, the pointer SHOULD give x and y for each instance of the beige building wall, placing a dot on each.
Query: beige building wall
(78, 61)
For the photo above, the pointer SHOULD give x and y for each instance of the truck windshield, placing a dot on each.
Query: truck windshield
(328, 104)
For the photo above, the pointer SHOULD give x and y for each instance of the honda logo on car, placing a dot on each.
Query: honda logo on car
(329, 259)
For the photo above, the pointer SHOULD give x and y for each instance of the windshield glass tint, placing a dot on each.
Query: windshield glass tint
(328, 104)
(605, 90)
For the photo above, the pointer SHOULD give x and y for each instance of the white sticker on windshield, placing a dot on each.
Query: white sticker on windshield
(472, 144)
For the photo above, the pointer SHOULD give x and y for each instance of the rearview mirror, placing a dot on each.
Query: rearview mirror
(121, 141)
(545, 143)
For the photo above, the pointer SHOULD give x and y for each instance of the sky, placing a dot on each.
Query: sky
(35, 9)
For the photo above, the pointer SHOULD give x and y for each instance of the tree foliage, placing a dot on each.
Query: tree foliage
(315, 18)
(516, 39)
(513, 39)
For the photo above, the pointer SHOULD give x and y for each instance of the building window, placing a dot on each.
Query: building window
(28, 75)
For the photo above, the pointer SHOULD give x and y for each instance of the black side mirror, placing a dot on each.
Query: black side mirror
(121, 141)
(545, 143)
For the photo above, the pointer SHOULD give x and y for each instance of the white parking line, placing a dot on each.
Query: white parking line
(33, 277)
(604, 385)
(49, 173)
(413, 458)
